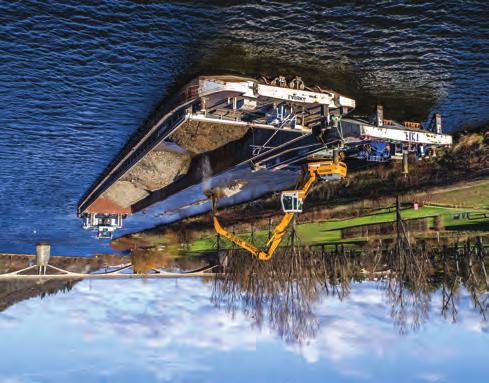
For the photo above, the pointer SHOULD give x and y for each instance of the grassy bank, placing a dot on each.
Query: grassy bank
(331, 231)
(453, 187)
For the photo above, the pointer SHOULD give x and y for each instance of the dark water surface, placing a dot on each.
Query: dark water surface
(78, 78)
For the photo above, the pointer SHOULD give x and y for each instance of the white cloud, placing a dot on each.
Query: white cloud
(11, 379)
(431, 377)
(170, 328)
(8, 321)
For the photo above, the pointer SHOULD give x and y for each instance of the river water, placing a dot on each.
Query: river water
(78, 78)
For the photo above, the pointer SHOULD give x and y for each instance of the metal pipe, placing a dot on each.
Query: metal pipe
(74, 276)
(379, 116)
(405, 163)
(336, 156)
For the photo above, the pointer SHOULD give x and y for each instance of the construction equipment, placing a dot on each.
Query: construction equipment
(292, 203)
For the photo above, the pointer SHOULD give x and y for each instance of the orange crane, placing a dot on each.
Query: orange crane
(292, 203)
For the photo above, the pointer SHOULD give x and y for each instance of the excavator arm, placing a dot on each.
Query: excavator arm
(277, 235)
(260, 254)
(316, 169)
(272, 244)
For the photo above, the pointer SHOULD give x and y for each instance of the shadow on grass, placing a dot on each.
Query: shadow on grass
(476, 226)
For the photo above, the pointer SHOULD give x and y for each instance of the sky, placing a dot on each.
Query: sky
(169, 331)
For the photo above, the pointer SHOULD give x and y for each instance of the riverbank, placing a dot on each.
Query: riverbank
(14, 291)
(453, 188)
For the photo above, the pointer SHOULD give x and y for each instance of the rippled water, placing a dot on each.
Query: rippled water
(78, 78)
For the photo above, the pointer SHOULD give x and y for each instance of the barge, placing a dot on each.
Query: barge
(216, 123)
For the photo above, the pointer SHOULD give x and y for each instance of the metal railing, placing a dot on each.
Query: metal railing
(154, 139)
(50, 272)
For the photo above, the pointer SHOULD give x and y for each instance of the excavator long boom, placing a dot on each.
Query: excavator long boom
(272, 244)
(238, 241)
(314, 169)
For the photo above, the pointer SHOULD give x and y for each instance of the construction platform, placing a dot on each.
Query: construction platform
(216, 123)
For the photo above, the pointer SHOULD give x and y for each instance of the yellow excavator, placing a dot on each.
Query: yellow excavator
(292, 203)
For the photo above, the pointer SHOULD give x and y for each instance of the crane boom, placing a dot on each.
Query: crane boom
(292, 201)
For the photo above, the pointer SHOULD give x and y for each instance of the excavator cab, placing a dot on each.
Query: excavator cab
(292, 201)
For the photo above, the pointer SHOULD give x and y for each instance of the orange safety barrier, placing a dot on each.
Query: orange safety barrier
(412, 125)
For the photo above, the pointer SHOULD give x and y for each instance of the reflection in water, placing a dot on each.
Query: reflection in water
(281, 292)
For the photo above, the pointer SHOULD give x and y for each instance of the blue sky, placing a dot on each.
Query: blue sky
(158, 331)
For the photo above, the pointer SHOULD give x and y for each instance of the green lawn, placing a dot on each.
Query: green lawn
(476, 196)
(330, 231)
(384, 217)
(318, 232)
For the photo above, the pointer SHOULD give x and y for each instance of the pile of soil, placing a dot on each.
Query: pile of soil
(199, 137)
(156, 170)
